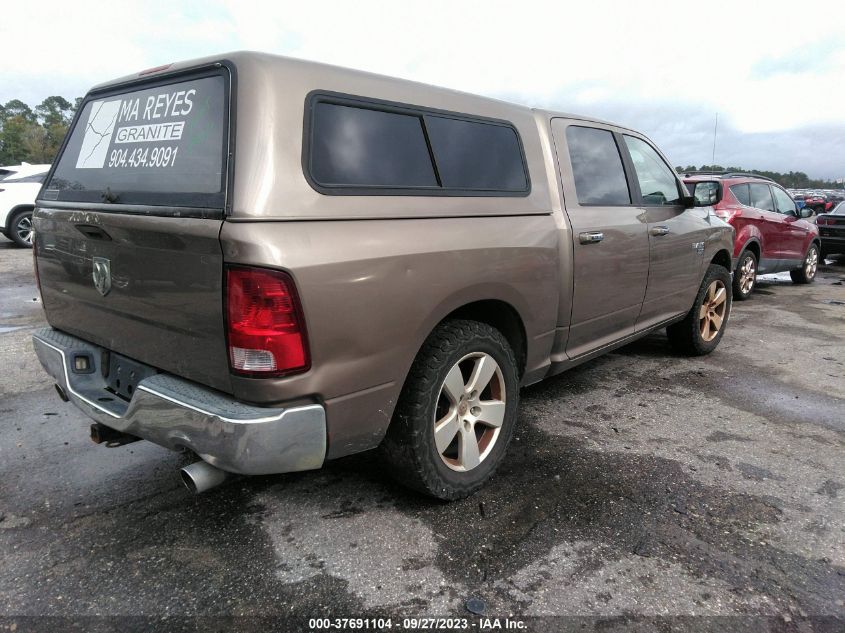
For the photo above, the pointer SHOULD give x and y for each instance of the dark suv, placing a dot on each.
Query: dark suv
(832, 229)
(772, 234)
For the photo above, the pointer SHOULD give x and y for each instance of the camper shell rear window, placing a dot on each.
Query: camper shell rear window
(161, 143)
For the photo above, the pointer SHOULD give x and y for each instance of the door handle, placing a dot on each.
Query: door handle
(94, 232)
(660, 230)
(590, 237)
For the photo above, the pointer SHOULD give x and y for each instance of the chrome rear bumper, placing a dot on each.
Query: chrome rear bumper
(176, 413)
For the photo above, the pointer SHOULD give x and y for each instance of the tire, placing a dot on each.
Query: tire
(745, 276)
(20, 228)
(438, 394)
(807, 273)
(697, 335)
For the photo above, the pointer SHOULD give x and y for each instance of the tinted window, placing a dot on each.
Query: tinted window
(761, 197)
(657, 180)
(476, 155)
(783, 202)
(163, 140)
(369, 148)
(740, 192)
(596, 167)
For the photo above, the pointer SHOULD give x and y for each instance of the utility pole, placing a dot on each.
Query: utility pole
(715, 127)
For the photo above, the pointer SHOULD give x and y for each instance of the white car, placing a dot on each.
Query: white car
(19, 185)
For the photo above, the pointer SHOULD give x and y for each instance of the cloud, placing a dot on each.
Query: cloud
(814, 56)
(646, 62)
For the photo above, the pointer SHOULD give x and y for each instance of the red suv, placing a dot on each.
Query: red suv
(772, 235)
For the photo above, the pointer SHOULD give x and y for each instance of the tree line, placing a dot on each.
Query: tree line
(34, 135)
(790, 180)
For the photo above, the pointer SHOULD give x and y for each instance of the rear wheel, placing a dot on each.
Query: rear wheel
(702, 329)
(20, 228)
(456, 413)
(807, 273)
(745, 276)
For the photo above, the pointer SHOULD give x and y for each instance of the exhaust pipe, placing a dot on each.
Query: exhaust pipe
(202, 476)
(61, 393)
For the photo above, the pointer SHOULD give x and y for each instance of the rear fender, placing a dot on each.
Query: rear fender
(748, 234)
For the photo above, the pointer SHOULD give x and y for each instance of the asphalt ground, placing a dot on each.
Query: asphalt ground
(642, 488)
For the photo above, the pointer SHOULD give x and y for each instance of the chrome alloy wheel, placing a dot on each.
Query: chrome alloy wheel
(23, 228)
(747, 275)
(470, 411)
(712, 312)
(811, 263)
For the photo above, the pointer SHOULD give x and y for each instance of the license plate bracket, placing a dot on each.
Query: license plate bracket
(125, 374)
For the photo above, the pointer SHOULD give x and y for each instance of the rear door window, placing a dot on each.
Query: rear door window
(658, 184)
(761, 197)
(158, 145)
(741, 193)
(597, 167)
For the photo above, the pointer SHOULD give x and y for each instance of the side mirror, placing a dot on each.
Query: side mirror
(705, 194)
(805, 212)
(688, 202)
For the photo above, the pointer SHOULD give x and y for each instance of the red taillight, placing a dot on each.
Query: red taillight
(265, 324)
(823, 221)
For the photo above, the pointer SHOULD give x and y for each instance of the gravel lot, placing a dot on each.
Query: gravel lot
(640, 484)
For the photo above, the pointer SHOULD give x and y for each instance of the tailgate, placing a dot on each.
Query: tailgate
(163, 282)
(127, 225)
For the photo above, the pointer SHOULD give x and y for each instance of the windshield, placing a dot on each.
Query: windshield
(161, 145)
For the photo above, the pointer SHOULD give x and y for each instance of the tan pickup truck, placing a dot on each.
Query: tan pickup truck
(272, 263)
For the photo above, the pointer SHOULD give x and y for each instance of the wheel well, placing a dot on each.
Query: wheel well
(501, 316)
(722, 258)
(15, 210)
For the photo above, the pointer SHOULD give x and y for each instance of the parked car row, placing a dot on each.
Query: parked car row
(817, 201)
(772, 232)
(19, 185)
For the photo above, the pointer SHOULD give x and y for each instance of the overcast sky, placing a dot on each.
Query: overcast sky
(774, 71)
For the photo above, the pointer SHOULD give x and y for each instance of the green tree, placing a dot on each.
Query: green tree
(54, 110)
(13, 146)
(17, 108)
(34, 135)
(15, 118)
(791, 180)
